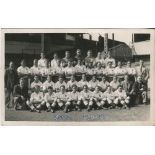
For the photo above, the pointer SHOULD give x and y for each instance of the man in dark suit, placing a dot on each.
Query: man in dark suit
(11, 79)
(128, 87)
(140, 91)
(20, 94)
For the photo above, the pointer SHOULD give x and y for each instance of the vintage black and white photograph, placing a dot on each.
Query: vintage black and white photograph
(77, 75)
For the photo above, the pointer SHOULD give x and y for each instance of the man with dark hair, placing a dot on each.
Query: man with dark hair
(58, 69)
(110, 59)
(47, 83)
(78, 56)
(120, 71)
(62, 99)
(34, 70)
(11, 79)
(139, 90)
(54, 60)
(69, 70)
(121, 98)
(50, 99)
(89, 59)
(131, 71)
(93, 83)
(127, 85)
(36, 82)
(36, 100)
(109, 71)
(42, 61)
(98, 70)
(82, 82)
(20, 94)
(66, 59)
(96, 98)
(84, 98)
(142, 71)
(103, 84)
(80, 68)
(71, 82)
(73, 98)
(23, 72)
(114, 83)
(59, 83)
(99, 59)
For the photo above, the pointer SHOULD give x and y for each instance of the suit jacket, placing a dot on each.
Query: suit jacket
(18, 91)
(11, 78)
(127, 86)
(137, 86)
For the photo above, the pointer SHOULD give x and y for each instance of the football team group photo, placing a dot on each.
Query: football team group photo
(77, 75)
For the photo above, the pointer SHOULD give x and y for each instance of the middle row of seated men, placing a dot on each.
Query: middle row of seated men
(103, 83)
(78, 94)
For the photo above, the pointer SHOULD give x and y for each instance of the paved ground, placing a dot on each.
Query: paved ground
(139, 113)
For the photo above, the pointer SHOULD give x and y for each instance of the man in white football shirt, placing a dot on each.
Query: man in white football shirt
(109, 71)
(34, 70)
(85, 96)
(57, 70)
(82, 82)
(100, 59)
(36, 82)
(24, 72)
(59, 83)
(114, 83)
(120, 71)
(89, 60)
(71, 82)
(44, 71)
(103, 84)
(69, 70)
(80, 68)
(36, 100)
(48, 83)
(66, 59)
(54, 60)
(62, 99)
(109, 98)
(73, 98)
(99, 70)
(42, 61)
(110, 59)
(50, 99)
(78, 56)
(121, 98)
(131, 72)
(93, 83)
(96, 98)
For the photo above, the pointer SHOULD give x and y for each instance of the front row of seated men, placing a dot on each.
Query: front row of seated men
(79, 95)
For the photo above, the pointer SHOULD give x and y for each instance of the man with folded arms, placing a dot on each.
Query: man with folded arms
(20, 94)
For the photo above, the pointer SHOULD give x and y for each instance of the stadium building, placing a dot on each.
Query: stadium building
(141, 46)
(29, 45)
